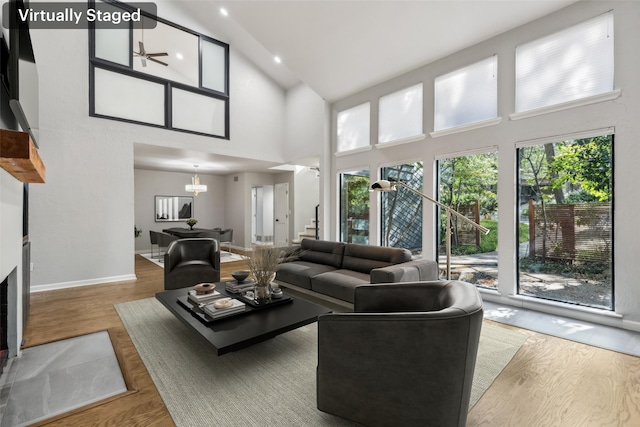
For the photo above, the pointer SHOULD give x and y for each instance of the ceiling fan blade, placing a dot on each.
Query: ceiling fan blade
(159, 62)
(144, 61)
(157, 54)
(141, 45)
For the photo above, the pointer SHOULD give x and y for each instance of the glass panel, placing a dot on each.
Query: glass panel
(353, 127)
(130, 98)
(566, 221)
(198, 113)
(401, 210)
(213, 66)
(469, 184)
(354, 207)
(400, 114)
(467, 95)
(169, 45)
(572, 64)
(113, 44)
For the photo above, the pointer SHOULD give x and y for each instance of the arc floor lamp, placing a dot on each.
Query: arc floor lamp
(383, 186)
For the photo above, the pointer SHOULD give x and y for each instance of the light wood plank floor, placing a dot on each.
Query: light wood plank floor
(550, 382)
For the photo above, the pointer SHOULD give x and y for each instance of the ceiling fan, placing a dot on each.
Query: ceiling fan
(150, 56)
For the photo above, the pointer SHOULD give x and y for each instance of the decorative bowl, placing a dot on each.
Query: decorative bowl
(240, 276)
(204, 288)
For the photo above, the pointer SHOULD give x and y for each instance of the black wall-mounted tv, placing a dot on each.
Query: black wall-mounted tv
(23, 74)
(4, 64)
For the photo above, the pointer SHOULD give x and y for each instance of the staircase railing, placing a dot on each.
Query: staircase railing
(317, 223)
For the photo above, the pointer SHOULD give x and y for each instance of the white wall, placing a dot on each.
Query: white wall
(305, 138)
(236, 209)
(306, 196)
(208, 207)
(304, 128)
(81, 220)
(622, 114)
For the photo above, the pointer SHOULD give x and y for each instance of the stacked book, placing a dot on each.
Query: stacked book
(240, 288)
(214, 312)
(199, 299)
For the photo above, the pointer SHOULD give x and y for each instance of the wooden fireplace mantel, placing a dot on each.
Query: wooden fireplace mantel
(19, 156)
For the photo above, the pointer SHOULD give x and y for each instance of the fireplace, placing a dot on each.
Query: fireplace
(9, 312)
(4, 316)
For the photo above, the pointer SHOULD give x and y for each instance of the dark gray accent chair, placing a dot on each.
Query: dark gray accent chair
(153, 238)
(404, 357)
(226, 236)
(188, 262)
(211, 234)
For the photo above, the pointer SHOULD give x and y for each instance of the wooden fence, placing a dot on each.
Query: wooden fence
(463, 232)
(571, 233)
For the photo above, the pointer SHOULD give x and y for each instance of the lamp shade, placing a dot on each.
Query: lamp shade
(383, 185)
(195, 187)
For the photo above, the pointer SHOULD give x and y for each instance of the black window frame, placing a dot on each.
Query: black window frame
(95, 62)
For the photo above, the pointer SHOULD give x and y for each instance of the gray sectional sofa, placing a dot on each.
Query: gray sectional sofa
(334, 269)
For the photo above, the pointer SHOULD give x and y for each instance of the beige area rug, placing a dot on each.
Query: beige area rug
(270, 383)
(224, 257)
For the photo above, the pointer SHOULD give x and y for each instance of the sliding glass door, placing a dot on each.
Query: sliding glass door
(469, 184)
(401, 211)
(566, 221)
(354, 207)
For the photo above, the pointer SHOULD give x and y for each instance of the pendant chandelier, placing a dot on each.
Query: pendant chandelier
(195, 187)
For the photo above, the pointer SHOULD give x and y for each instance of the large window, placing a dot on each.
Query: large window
(400, 115)
(566, 221)
(354, 207)
(401, 210)
(572, 64)
(469, 184)
(159, 74)
(468, 95)
(353, 127)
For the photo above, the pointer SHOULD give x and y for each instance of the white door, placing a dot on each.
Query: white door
(281, 220)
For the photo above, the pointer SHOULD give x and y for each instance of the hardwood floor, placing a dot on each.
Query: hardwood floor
(550, 381)
(67, 313)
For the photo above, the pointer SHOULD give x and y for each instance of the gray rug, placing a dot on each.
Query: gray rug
(271, 383)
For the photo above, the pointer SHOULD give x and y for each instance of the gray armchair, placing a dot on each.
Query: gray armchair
(404, 357)
(188, 262)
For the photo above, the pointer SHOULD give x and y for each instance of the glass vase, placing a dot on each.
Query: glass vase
(262, 290)
(262, 293)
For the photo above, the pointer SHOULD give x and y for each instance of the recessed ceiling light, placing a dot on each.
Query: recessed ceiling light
(179, 55)
(277, 59)
(224, 12)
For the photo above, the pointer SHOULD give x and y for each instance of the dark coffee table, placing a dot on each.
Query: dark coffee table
(245, 329)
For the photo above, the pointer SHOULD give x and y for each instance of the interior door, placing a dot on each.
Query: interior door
(281, 220)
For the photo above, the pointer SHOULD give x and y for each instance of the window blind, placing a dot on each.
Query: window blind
(400, 114)
(353, 127)
(566, 66)
(467, 95)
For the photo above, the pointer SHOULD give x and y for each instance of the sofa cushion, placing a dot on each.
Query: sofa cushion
(299, 273)
(339, 284)
(364, 258)
(322, 252)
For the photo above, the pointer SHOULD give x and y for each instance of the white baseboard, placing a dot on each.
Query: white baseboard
(77, 283)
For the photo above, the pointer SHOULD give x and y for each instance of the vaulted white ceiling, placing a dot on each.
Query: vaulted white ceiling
(341, 47)
(338, 48)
